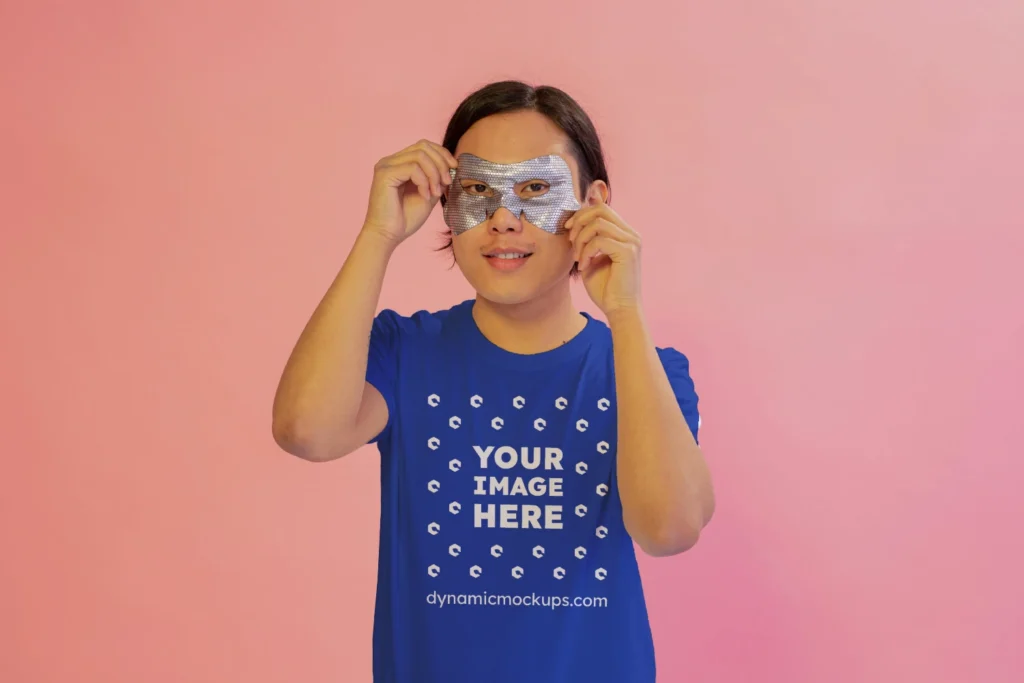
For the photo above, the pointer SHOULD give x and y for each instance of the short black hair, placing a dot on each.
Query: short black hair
(504, 97)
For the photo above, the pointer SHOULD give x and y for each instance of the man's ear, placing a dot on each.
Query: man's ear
(597, 193)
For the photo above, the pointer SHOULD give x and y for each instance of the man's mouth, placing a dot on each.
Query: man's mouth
(508, 254)
(507, 259)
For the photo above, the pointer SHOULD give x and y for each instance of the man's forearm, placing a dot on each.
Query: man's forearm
(664, 481)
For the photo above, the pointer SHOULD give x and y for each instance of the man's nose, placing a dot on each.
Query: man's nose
(504, 220)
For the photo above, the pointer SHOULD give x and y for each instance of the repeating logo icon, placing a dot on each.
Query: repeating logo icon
(581, 468)
(517, 572)
(539, 424)
(601, 574)
(603, 404)
(454, 549)
(476, 401)
(601, 531)
(538, 551)
(455, 422)
(561, 403)
(475, 571)
(454, 465)
(581, 510)
(433, 528)
(433, 570)
(559, 573)
(602, 447)
(496, 550)
(433, 443)
(455, 507)
(497, 423)
(602, 489)
(433, 486)
(582, 425)
(519, 402)
(434, 400)
(581, 552)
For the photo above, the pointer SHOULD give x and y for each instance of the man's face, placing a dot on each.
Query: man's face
(504, 256)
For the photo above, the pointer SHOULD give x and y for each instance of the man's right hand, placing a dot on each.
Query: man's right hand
(406, 188)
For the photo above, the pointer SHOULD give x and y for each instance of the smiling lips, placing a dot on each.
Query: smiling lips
(507, 259)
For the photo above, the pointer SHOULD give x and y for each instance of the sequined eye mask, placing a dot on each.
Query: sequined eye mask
(549, 211)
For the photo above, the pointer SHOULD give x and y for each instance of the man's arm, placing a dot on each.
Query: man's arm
(664, 482)
(324, 408)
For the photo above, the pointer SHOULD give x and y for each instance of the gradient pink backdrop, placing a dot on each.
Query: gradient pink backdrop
(830, 194)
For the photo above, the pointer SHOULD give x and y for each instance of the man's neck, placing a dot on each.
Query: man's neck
(535, 326)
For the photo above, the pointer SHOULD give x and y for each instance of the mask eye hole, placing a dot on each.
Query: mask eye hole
(475, 188)
(532, 188)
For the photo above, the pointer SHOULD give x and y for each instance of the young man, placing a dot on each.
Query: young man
(524, 446)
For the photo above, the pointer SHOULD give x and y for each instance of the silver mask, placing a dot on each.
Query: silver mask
(549, 211)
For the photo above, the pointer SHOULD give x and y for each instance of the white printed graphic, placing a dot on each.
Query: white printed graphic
(519, 487)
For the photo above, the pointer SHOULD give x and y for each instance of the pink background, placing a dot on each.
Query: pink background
(827, 192)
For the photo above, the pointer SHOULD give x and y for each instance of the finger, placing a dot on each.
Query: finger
(591, 213)
(603, 246)
(584, 233)
(601, 227)
(418, 178)
(399, 173)
(450, 160)
(594, 248)
(430, 167)
(439, 155)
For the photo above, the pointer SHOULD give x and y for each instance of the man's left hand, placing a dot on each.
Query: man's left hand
(607, 250)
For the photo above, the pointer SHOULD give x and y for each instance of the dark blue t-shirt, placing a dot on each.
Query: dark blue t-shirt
(503, 555)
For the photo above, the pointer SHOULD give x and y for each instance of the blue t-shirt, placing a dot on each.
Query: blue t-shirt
(503, 555)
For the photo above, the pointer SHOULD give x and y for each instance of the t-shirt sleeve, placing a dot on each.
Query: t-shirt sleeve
(677, 367)
(382, 361)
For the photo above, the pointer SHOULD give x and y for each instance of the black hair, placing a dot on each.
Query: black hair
(506, 97)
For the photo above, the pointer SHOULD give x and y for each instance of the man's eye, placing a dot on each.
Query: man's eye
(476, 188)
(536, 188)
